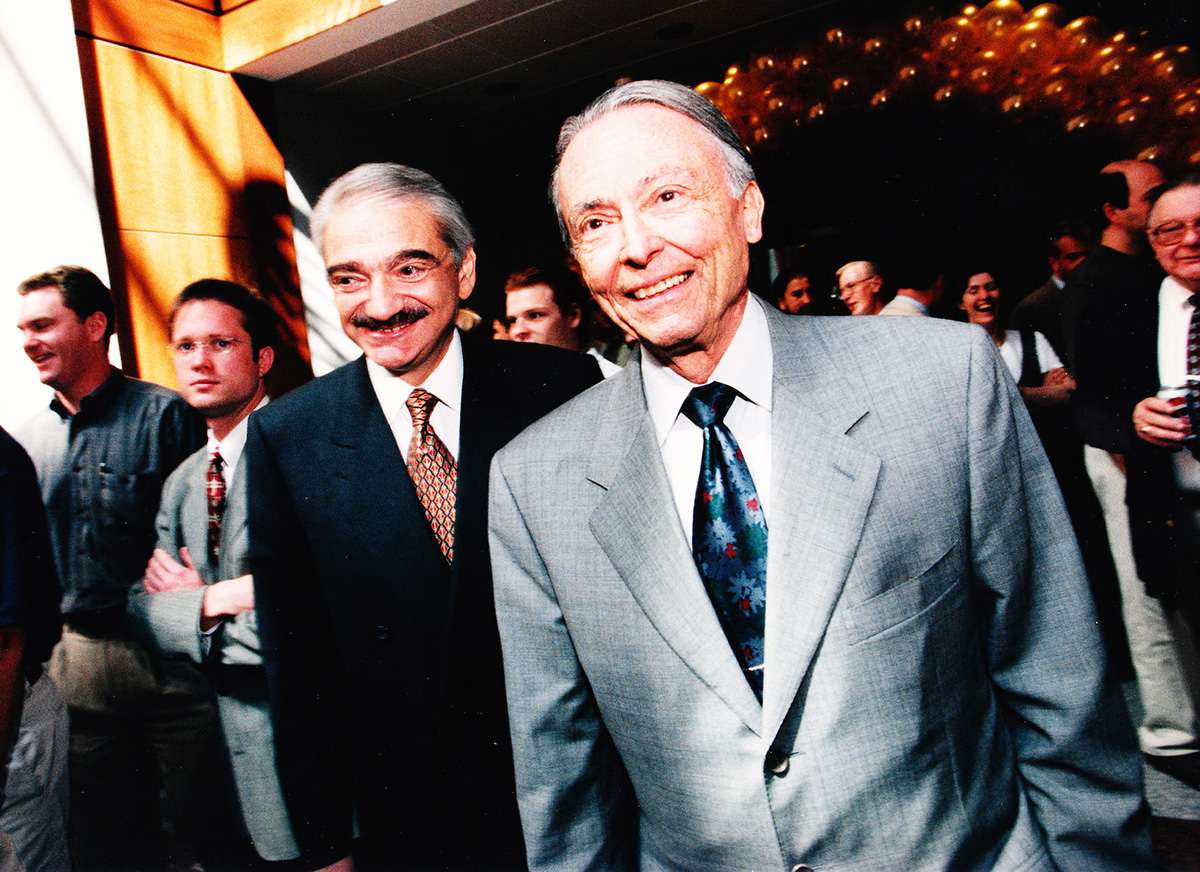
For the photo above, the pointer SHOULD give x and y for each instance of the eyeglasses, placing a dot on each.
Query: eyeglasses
(217, 345)
(1172, 232)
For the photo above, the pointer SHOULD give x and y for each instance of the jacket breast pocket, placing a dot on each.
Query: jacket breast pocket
(904, 602)
(128, 501)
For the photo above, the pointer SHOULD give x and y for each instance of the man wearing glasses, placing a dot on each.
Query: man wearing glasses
(196, 602)
(1163, 377)
(102, 451)
(368, 530)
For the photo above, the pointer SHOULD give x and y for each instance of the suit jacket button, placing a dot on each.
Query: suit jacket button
(777, 762)
(802, 867)
(381, 632)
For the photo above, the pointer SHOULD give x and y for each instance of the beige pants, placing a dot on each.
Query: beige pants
(139, 725)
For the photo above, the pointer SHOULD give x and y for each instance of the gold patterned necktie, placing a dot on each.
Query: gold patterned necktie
(433, 471)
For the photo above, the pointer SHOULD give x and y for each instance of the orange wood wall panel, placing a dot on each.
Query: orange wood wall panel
(173, 144)
(190, 184)
(163, 27)
(256, 29)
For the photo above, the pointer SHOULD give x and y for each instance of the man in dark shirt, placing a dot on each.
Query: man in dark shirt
(102, 451)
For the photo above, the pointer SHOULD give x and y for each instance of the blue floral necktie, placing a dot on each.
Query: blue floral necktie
(729, 531)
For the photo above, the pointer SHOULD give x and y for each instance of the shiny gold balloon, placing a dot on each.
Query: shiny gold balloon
(1173, 65)
(1187, 110)
(1155, 152)
(1014, 104)
(1051, 13)
(1078, 123)
(1064, 93)
(919, 27)
(709, 90)
(912, 71)
(782, 103)
(1082, 38)
(954, 40)
(999, 21)
(769, 65)
(985, 77)
(945, 94)
(1037, 45)
(880, 98)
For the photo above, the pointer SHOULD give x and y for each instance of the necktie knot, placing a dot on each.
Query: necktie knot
(708, 404)
(420, 404)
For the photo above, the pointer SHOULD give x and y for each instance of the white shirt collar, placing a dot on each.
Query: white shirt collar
(1175, 294)
(1057, 281)
(746, 367)
(233, 443)
(445, 382)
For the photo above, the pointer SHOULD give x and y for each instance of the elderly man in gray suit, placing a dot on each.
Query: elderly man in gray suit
(197, 599)
(764, 605)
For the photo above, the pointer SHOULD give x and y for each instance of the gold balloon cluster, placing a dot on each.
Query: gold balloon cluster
(1035, 62)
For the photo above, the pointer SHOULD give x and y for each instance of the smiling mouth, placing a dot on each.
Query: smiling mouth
(39, 359)
(661, 287)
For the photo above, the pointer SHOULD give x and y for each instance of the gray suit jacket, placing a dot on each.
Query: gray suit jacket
(170, 622)
(934, 693)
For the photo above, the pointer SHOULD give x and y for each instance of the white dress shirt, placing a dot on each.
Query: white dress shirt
(1174, 320)
(231, 447)
(746, 367)
(1012, 352)
(445, 383)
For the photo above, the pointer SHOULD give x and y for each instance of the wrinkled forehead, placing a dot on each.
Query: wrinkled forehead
(637, 142)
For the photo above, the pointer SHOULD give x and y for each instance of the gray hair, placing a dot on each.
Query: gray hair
(392, 181)
(671, 95)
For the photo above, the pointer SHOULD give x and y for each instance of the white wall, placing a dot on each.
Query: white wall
(48, 213)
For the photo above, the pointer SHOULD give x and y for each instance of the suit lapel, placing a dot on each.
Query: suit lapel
(363, 449)
(235, 549)
(637, 525)
(821, 490)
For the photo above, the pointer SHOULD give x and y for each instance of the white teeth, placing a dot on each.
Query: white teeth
(655, 290)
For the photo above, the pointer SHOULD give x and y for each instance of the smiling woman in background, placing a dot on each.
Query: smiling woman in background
(1035, 367)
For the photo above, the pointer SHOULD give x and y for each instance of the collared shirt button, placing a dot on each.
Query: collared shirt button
(777, 762)
(382, 632)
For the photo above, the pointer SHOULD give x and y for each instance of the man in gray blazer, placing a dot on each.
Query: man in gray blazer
(888, 661)
(197, 599)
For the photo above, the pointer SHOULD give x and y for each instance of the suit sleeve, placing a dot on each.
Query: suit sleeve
(1071, 736)
(168, 622)
(304, 674)
(576, 805)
